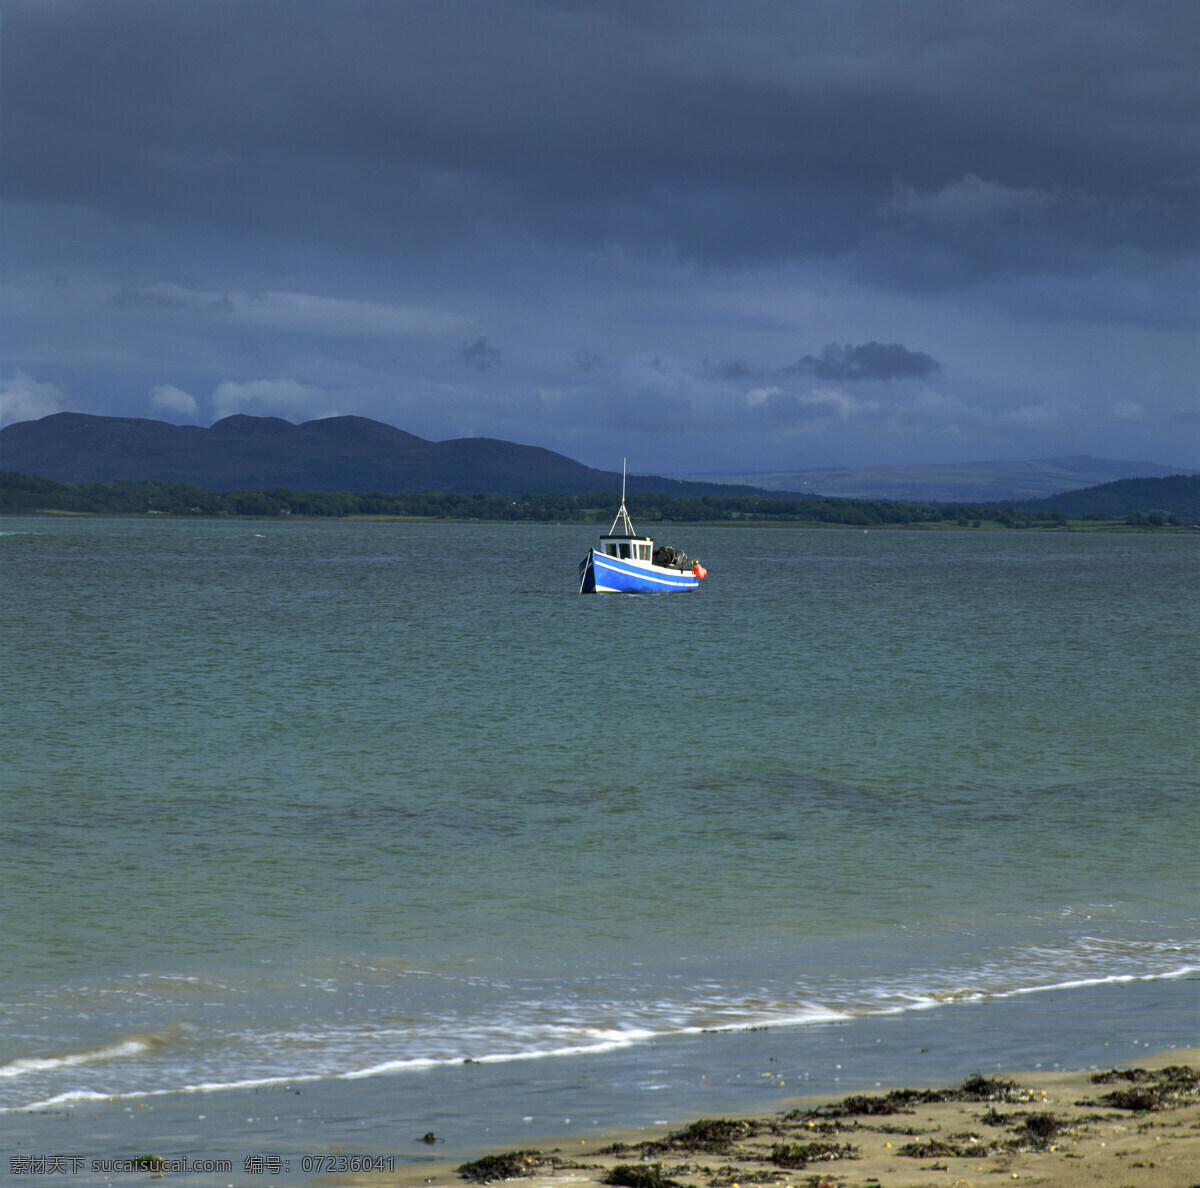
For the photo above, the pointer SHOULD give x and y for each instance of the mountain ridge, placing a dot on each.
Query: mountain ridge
(952, 482)
(347, 453)
(358, 454)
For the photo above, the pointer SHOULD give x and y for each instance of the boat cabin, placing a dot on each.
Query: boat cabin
(628, 548)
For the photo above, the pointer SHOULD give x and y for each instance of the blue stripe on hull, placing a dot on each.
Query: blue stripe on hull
(600, 574)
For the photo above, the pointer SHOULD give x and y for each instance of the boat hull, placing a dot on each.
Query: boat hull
(601, 574)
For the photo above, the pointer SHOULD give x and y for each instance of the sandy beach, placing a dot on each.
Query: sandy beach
(1126, 1127)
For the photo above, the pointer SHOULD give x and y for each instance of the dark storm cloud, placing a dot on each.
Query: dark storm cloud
(735, 370)
(716, 133)
(481, 355)
(587, 361)
(871, 360)
(868, 361)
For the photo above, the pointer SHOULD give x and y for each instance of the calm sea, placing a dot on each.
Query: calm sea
(337, 804)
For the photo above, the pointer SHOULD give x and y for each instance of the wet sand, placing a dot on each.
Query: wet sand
(1123, 1128)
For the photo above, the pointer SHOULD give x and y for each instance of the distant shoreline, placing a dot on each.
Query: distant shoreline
(1132, 503)
(1072, 525)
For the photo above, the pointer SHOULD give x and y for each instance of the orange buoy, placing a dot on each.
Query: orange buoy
(699, 572)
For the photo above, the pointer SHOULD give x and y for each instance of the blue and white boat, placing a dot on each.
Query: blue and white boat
(626, 563)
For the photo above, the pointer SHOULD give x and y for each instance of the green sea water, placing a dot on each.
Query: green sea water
(302, 799)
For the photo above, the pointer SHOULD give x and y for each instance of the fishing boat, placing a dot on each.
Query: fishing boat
(626, 563)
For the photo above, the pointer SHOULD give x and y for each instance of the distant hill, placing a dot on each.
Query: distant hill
(964, 482)
(360, 455)
(1177, 495)
(334, 454)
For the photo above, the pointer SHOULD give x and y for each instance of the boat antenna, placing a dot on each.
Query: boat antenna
(622, 516)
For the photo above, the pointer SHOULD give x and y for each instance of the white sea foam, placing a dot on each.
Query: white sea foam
(40, 1064)
(70, 1097)
(1110, 979)
(73, 1096)
(143, 1066)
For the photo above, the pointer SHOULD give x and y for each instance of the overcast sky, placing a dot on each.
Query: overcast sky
(708, 236)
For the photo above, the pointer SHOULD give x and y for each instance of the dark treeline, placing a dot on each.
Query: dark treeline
(24, 493)
(1177, 494)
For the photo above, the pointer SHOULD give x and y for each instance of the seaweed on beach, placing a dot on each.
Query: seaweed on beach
(1138, 1100)
(975, 1088)
(802, 1154)
(931, 1148)
(1038, 1130)
(927, 1149)
(1150, 1089)
(639, 1175)
(857, 1106)
(1134, 1075)
(727, 1176)
(713, 1132)
(1031, 1131)
(1177, 1077)
(713, 1136)
(863, 1105)
(902, 1101)
(512, 1165)
(981, 1088)
(908, 1097)
(811, 1125)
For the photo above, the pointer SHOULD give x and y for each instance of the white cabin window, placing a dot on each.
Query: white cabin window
(625, 552)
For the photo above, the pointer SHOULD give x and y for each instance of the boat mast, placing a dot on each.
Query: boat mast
(622, 516)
